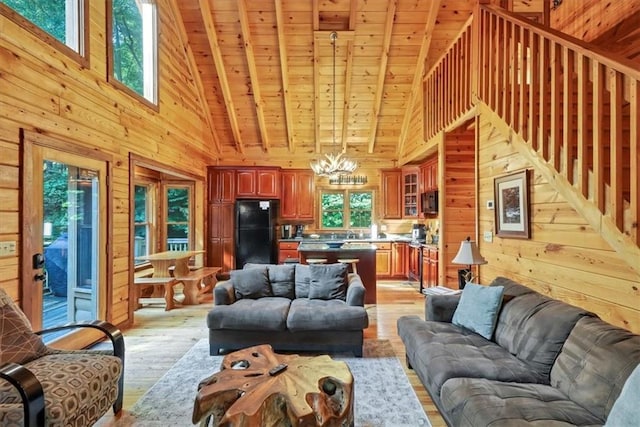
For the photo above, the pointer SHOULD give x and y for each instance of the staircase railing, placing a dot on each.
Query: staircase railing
(447, 86)
(575, 106)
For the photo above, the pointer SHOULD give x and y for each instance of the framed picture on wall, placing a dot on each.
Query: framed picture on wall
(511, 194)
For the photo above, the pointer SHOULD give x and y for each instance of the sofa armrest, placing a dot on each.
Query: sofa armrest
(440, 308)
(223, 293)
(355, 290)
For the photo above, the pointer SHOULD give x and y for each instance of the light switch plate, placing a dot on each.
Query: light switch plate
(490, 204)
(8, 248)
(488, 236)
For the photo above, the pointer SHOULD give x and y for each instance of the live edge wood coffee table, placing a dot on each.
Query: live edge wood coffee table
(310, 391)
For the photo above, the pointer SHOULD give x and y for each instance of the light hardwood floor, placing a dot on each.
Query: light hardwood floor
(158, 339)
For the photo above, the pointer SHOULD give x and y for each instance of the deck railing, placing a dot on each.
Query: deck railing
(575, 106)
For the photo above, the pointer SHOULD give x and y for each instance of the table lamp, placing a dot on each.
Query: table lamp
(468, 254)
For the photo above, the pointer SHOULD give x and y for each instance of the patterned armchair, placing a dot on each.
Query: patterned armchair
(41, 386)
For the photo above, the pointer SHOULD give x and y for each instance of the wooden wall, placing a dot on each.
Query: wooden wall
(564, 258)
(589, 19)
(45, 91)
(457, 188)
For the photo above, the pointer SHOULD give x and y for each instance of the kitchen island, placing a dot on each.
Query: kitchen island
(365, 252)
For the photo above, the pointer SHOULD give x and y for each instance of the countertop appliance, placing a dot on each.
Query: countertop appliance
(429, 202)
(256, 238)
(418, 233)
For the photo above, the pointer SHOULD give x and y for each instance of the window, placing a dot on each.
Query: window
(133, 48)
(62, 20)
(356, 212)
(143, 221)
(178, 223)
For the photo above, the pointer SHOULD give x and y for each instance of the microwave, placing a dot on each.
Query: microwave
(429, 202)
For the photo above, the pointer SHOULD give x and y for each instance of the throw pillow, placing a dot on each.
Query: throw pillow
(281, 278)
(328, 281)
(251, 283)
(18, 343)
(478, 308)
(625, 410)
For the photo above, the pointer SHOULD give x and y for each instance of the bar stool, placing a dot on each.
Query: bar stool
(316, 260)
(353, 261)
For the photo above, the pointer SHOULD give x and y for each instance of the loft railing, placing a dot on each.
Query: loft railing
(576, 107)
(447, 86)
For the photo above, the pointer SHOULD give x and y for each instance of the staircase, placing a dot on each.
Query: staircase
(570, 109)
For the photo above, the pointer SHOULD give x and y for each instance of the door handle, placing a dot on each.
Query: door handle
(40, 276)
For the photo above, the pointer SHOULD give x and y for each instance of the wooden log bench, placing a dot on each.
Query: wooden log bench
(166, 282)
(197, 282)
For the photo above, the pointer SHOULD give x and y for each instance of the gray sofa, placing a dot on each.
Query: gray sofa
(547, 363)
(293, 307)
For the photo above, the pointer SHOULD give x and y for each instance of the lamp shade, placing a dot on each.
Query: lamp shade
(468, 254)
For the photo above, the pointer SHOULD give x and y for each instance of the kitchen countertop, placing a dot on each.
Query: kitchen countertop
(315, 245)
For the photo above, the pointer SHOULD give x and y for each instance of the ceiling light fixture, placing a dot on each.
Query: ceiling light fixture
(333, 164)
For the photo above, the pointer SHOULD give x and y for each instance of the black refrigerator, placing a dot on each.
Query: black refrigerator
(256, 232)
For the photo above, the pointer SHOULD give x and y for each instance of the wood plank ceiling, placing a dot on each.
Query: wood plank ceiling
(266, 70)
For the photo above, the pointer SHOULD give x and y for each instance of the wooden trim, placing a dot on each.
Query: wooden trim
(216, 53)
(284, 69)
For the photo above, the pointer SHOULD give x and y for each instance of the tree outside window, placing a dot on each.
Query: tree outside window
(133, 53)
(178, 223)
(61, 19)
(142, 222)
(336, 214)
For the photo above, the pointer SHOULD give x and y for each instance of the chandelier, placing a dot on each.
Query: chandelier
(333, 164)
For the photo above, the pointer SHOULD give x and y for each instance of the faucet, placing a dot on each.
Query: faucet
(351, 234)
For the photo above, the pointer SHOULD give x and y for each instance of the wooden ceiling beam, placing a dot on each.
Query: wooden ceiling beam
(253, 73)
(193, 71)
(382, 73)
(212, 38)
(316, 76)
(353, 8)
(284, 61)
(434, 7)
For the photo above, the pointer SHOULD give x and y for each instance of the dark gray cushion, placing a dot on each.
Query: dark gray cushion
(330, 315)
(440, 351)
(302, 280)
(594, 364)
(534, 327)
(471, 402)
(478, 308)
(251, 283)
(281, 278)
(264, 314)
(328, 281)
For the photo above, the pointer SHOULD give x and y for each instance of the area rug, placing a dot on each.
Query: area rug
(383, 395)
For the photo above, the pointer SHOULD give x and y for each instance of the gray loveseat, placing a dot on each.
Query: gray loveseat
(547, 363)
(293, 307)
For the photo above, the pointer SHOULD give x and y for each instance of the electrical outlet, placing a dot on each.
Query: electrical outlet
(8, 248)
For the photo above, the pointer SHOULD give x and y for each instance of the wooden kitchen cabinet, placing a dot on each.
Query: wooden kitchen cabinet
(391, 194)
(429, 174)
(410, 192)
(430, 267)
(383, 259)
(297, 194)
(399, 252)
(258, 182)
(221, 184)
(287, 250)
(220, 229)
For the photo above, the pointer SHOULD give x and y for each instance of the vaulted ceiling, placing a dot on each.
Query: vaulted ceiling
(266, 71)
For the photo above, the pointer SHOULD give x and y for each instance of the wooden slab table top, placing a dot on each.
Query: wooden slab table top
(162, 261)
(311, 391)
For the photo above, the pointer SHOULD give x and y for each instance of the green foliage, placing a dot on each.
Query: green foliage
(334, 212)
(55, 202)
(46, 14)
(127, 44)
